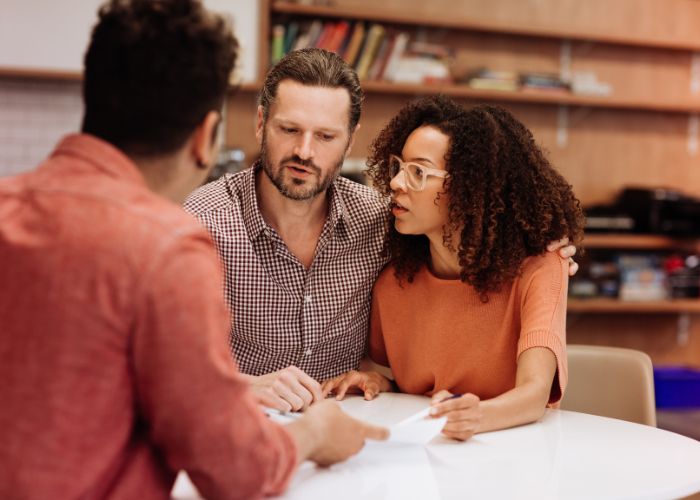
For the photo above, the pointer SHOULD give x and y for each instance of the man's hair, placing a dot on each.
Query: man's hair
(153, 70)
(318, 68)
(505, 200)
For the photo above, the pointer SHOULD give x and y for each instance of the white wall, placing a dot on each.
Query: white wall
(53, 34)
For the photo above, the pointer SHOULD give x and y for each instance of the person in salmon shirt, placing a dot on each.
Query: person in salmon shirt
(471, 309)
(114, 362)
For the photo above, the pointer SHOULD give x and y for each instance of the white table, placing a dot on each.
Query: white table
(566, 455)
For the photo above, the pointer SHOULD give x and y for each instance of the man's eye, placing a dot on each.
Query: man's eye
(326, 137)
(288, 130)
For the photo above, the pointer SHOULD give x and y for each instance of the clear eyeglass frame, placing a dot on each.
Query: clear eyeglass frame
(415, 174)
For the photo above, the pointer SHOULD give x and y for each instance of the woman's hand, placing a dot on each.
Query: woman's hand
(369, 383)
(463, 414)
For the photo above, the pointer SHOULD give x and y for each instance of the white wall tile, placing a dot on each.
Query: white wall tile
(33, 118)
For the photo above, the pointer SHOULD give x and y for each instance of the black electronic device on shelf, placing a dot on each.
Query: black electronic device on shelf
(648, 211)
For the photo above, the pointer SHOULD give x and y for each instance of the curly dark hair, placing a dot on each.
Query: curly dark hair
(153, 70)
(505, 200)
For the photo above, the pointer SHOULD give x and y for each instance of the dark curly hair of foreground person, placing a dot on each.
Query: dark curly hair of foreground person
(506, 201)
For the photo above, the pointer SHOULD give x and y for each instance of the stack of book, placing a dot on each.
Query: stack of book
(510, 81)
(543, 82)
(489, 79)
(375, 51)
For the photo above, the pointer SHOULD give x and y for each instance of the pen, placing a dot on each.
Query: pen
(271, 412)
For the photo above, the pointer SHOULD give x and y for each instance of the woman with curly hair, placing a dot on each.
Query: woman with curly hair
(471, 304)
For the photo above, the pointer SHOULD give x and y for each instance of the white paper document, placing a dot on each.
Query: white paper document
(419, 428)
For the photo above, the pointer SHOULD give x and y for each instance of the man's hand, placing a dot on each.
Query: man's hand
(326, 435)
(289, 389)
(370, 383)
(566, 251)
(463, 414)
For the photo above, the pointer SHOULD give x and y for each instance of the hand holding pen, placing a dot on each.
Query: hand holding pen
(463, 413)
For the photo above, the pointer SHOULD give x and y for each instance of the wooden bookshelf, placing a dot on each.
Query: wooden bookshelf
(535, 97)
(627, 307)
(453, 20)
(639, 242)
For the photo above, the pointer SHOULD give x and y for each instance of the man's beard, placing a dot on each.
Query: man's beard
(297, 189)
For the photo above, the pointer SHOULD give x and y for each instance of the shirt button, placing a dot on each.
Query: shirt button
(307, 299)
(307, 352)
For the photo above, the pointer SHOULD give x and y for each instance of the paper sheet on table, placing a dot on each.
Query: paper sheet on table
(419, 428)
(381, 471)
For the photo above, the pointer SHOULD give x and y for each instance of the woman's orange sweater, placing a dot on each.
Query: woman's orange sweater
(437, 334)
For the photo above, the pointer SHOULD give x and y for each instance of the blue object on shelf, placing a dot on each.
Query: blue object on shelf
(677, 387)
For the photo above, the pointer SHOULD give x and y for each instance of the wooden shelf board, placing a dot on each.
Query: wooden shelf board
(450, 20)
(40, 74)
(638, 241)
(619, 306)
(464, 91)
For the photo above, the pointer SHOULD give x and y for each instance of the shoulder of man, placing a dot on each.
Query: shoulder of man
(363, 199)
(215, 195)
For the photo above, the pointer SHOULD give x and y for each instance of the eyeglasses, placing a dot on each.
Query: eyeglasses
(415, 174)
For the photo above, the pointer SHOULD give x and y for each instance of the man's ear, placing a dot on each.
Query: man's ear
(259, 125)
(204, 140)
(351, 142)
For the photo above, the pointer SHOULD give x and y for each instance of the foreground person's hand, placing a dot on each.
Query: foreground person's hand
(326, 435)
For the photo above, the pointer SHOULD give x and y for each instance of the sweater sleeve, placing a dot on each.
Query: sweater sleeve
(197, 408)
(543, 313)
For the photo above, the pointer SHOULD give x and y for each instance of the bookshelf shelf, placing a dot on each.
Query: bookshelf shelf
(638, 242)
(536, 97)
(619, 306)
(40, 74)
(452, 19)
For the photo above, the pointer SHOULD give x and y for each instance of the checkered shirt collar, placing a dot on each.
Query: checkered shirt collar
(338, 221)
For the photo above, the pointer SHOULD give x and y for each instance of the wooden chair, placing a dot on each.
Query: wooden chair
(610, 382)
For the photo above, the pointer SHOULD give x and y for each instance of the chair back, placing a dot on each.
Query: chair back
(610, 382)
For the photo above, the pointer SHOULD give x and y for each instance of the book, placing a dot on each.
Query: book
(380, 59)
(353, 47)
(313, 33)
(290, 36)
(337, 36)
(277, 45)
(489, 79)
(302, 40)
(324, 36)
(397, 51)
(374, 38)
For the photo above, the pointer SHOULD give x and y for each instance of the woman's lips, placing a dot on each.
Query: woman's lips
(397, 209)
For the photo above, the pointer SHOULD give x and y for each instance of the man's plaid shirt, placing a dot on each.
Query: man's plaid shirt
(283, 314)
